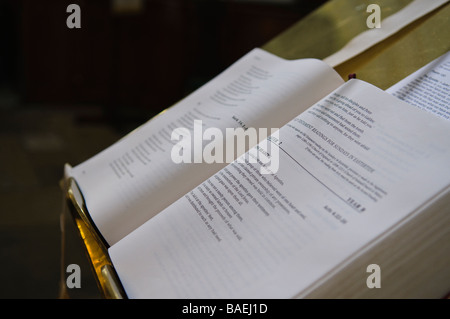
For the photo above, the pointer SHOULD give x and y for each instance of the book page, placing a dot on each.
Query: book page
(343, 172)
(388, 27)
(133, 180)
(428, 88)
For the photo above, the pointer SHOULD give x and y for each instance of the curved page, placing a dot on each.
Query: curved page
(128, 183)
(351, 167)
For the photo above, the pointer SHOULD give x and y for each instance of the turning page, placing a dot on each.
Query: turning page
(296, 206)
(428, 88)
(128, 183)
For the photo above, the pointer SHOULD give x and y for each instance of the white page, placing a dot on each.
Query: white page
(428, 88)
(133, 180)
(350, 167)
(389, 26)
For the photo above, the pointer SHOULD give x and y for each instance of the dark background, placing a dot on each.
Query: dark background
(65, 94)
(131, 64)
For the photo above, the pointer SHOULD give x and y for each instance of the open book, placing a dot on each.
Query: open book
(346, 174)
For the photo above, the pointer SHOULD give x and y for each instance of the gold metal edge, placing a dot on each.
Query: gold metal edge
(97, 252)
